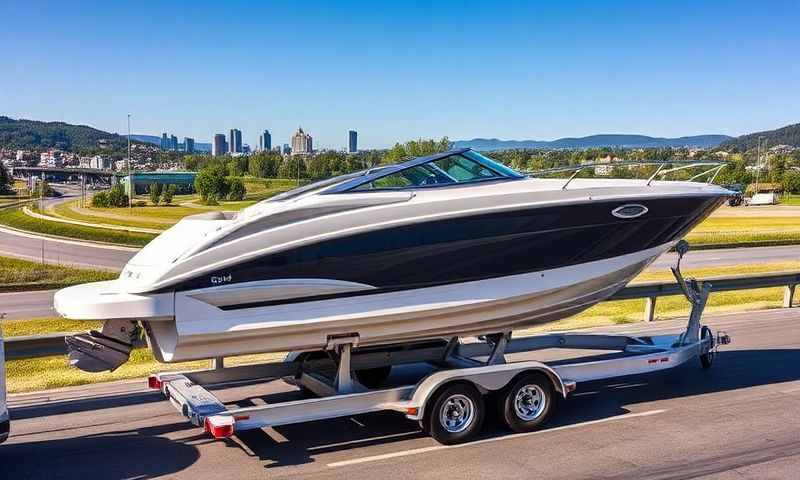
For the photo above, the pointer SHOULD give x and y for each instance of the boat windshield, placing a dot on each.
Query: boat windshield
(462, 167)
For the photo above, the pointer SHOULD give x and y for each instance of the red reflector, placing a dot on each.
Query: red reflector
(241, 417)
(220, 427)
(154, 382)
(665, 359)
(655, 360)
(412, 411)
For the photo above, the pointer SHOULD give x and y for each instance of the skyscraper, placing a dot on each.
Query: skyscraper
(302, 143)
(265, 141)
(164, 142)
(173, 143)
(352, 141)
(218, 147)
(235, 140)
(188, 145)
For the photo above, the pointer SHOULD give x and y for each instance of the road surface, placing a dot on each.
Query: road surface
(16, 305)
(738, 420)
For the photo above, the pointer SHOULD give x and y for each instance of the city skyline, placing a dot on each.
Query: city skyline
(536, 71)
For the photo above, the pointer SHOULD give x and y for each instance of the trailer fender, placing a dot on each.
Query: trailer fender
(487, 379)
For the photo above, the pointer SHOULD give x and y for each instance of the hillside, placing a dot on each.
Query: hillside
(594, 141)
(32, 134)
(788, 135)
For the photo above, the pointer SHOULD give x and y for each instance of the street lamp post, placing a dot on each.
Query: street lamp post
(130, 177)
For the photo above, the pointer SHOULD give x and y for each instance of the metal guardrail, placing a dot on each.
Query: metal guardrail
(32, 346)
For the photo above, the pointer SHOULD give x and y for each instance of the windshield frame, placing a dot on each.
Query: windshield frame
(352, 186)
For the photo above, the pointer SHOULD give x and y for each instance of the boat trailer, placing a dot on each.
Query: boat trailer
(449, 402)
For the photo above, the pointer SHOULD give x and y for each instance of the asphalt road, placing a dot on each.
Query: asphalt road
(17, 305)
(741, 419)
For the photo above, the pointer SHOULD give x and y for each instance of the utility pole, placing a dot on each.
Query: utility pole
(758, 163)
(130, 177)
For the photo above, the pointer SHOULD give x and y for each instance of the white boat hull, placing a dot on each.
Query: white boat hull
(201, 330)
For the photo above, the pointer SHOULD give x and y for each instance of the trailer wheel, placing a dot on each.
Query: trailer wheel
(373, 377)
(527, 402)
(707, 359)
(455, 414)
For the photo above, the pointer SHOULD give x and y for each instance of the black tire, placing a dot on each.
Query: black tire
(707, 359)
(460, 406)
(527, 402)
(373, 377)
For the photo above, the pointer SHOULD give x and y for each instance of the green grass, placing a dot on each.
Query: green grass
(22, 275)
(746, 230)
(162, 216)
(42, 326)
(791, 200)
(15, 218)
(53, 372)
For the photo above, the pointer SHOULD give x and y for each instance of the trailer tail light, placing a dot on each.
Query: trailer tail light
(220, 426)
(412, 412)
(154, 382)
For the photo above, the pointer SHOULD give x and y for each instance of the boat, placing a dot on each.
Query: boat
(451, 244)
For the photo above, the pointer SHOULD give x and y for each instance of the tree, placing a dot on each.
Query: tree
(289, 167)
(168, 193)
(100, 200)
(155, 193)
(211, 183)
(264, 164)
(117, 196)
(236, 189)
(417, 148)
(42, 190)
(791, 181)
(5, 179)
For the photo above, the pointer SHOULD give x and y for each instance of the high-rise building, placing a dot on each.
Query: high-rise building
(287, 149)
(352, 141)
(265, 141)
(188, 145)
(235, 140)
(173, 143)
(164, 142)
(302, 143)
(219, 146)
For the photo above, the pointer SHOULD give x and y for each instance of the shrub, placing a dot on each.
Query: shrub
(117, 196)
(211, 182)
(167, 194)
(155, 193)
(236, 189)
(100, 200)
(42, 189)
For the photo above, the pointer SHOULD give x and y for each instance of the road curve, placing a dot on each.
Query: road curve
(737, 420)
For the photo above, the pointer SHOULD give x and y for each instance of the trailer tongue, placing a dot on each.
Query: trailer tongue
(448, 402)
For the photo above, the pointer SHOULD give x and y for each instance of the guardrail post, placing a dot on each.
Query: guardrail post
(650, 309)
(219, 362)
(788, 295)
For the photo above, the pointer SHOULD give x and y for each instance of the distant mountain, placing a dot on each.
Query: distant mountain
(31, 134)
(788, 135)
(200, 147)
(595, 141)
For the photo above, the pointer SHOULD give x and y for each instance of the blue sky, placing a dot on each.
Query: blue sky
(401, 70)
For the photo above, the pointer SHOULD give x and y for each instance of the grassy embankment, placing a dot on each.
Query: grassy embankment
(746, 230)
(162, 216)
(52, 372)
(15, 218)
(21, 275)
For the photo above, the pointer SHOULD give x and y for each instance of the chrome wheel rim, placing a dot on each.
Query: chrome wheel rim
(457, 413)
(530, 402)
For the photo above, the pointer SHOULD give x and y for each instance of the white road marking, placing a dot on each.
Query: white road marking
(417, 451)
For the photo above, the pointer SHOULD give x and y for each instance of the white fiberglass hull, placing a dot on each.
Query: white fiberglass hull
(188, 325)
